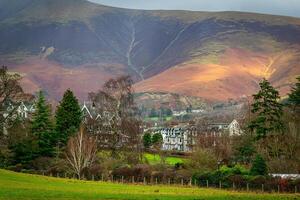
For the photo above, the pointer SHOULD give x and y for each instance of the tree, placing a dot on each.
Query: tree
(244, 148)
(42, 127)
(203, 160)
(115, 125)
(68, 117)
(294, 96)
(157, 139)
(9, 90)
(268, 111)
(147, 140)
(81, 152)
(259, 166)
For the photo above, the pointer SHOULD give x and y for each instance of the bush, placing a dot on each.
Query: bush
(202, 160)
(42, 163)
(227, 175)
(259, 166)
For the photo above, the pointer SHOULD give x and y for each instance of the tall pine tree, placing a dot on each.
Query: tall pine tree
(267, 110)
(294, 96)
(42, 127)
(68, 117)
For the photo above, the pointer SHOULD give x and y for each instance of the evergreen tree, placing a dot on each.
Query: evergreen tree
(267, 110)
(259, 166)
(68, 117)
(42, 127)
(157, 138)
(147, 140)
(294, 96)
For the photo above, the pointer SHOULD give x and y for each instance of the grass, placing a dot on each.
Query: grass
(158, 118)
(24, 186)
(155, 159)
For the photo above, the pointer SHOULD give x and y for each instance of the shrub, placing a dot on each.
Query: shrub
(259, 166)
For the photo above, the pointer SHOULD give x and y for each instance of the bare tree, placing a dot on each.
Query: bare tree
(10, 89)
(81, 152)
(115, 125)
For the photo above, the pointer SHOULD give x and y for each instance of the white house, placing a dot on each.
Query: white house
(178, 138)
(234, 128)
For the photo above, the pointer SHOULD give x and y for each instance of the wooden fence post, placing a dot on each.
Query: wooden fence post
(247, 187)
(132, 179)
(190, 183)
(233, 185)
(102, 177)
(156, 180)
(220, 184)
(182, 181)
(278, 188)
(145, 181)
(122, 179)
(295, 188)
(262, 187)
(207, 183)
(169, 181)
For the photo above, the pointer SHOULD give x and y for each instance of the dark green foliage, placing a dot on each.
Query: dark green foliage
(244, 149)
(227, 175)
(68, 117)
(42, 127)
(25, 151)
(294, 96)
(147, 140)
(267, 111)
(157, 138)
(259, 166)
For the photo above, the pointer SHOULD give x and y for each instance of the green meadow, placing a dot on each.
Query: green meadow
(24, 186)
(155, 159)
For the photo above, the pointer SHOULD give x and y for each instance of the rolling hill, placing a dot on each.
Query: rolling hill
(59, 44)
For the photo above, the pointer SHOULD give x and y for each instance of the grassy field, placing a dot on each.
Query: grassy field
(23, 186)
(155, 159)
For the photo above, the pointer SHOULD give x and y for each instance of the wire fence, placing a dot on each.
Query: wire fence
(188, 182)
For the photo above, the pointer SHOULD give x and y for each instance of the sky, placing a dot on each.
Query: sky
(277, 7)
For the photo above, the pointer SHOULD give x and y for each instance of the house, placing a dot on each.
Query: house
(234, 128)
(176, 138)
(101, 125)
(23, 110)
(219, 128)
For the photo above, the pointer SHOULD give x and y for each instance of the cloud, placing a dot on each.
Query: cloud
(277, 7)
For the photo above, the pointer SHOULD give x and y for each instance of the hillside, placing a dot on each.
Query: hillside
(59, 44)
(22, 186)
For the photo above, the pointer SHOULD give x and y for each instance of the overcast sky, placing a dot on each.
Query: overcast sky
(277, 7)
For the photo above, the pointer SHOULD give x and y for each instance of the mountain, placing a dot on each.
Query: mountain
(59, 44)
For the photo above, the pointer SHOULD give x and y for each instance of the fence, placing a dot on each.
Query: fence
(188, 182)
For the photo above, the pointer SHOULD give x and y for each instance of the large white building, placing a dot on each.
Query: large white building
(177, 138)
(184, 137)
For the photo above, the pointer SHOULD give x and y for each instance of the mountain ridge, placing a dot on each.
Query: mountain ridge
(83, 38)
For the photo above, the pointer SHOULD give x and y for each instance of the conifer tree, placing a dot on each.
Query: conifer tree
(267, 110)
(68, 117)
(147, 140)
(42, 127)
(259, 166)
(294, 96)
